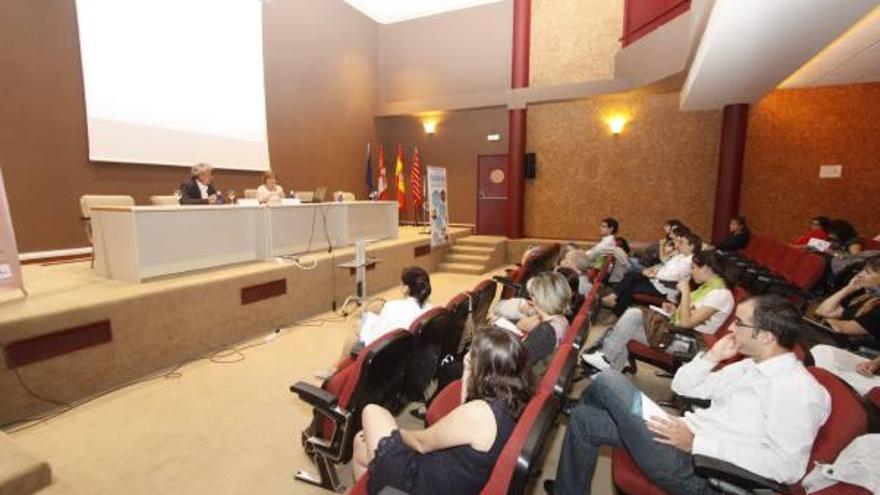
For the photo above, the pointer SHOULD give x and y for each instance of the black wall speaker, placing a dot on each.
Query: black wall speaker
(531, 165)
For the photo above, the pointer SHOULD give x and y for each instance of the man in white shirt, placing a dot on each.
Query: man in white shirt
(607, 230)
(766, 411)
(658, 281)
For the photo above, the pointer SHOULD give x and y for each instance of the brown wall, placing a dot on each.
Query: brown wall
(461, 52)
(790, 134)
(663, 165)
(320, 92)
(460, 138)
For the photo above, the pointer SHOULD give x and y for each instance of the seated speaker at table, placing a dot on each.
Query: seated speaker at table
(269, 190)
(198, 190)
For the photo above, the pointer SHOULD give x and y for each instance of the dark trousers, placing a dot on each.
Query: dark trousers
(609, 413)
(632, 283)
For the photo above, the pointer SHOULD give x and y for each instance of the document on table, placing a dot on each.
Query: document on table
(843, 364)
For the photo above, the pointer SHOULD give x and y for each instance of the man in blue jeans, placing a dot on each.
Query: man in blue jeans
(765, 413)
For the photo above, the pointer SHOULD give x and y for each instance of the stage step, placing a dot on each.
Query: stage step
(481, 240)
(474, 250)
(461, 268)
(475, 254)
(20, 472)
(468, 259)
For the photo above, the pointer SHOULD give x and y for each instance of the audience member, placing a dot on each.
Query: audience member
(578, 261)
(549, 299)
(199, 188)
(764, 416)
(855, 309)
(858, 371)
(818, 230)
(704, 310)
(844, 238)
(655, 253)
(269, 190)
(659, 281)
(416, 288)
(455, 455)
(738, 238)
(607, 230)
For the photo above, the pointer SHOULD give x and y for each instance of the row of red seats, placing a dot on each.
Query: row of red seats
(775, 264)
(389, 372)
(517, 461)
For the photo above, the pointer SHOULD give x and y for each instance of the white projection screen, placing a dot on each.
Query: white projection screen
(174, 82)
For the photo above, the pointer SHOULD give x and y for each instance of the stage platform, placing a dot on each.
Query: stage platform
(128, 331)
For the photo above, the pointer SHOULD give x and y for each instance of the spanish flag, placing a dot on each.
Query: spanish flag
(401, 181)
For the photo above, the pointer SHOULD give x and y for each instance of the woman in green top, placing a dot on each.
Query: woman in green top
(703, 309)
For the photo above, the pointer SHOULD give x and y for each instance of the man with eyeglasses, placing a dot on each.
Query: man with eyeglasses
(765, 412)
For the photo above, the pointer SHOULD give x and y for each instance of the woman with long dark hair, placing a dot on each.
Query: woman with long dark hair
(455, 455)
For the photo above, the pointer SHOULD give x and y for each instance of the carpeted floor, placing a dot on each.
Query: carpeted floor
(226, 425)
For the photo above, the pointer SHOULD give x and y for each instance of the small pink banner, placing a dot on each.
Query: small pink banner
(10, 268)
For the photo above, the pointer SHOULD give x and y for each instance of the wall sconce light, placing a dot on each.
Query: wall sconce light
(430, 127)
(616, 123)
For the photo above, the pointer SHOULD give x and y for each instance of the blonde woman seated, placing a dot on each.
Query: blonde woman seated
(456, 455)
(704, 310)
(269, 191)
(544, 327)
(416, 288)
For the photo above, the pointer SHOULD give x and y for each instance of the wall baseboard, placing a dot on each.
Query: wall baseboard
(52, 255)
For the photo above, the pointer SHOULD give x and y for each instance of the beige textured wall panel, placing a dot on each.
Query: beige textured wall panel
(574, 40)
(663, 165)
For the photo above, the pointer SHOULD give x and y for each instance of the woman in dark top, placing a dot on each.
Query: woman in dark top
(855, 309)
(456, 455)
(738, 237)
(844, 238)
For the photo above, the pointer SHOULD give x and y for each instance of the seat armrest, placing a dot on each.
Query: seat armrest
(316, 396)
(507, 282)
(686, 332)
(721, 473)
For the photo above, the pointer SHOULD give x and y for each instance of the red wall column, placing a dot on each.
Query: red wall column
(730, 167)
(522, 10)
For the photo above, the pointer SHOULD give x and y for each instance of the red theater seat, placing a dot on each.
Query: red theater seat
(483, 296)
(846, 422)
(375, 377)
(444, 402)
(525, 445)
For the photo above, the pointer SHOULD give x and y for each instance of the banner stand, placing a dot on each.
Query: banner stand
(439, 206)
(10, 266)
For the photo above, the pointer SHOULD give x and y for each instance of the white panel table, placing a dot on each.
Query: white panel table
(139, 242)
(295, 229)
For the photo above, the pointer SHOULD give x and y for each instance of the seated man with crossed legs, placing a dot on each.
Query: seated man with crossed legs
(766, 411)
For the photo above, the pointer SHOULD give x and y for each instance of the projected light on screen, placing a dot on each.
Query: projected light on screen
(174, 82)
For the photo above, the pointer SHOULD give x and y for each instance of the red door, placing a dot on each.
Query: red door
(492, 177)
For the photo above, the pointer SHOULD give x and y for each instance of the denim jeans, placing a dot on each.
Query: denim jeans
(608, 414)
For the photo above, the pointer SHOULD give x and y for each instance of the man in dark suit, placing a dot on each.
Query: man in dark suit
(198, 189)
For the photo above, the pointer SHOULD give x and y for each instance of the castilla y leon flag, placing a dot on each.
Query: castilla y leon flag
(10, 269)
(415, 180)
(382, 182)
(401, 180)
